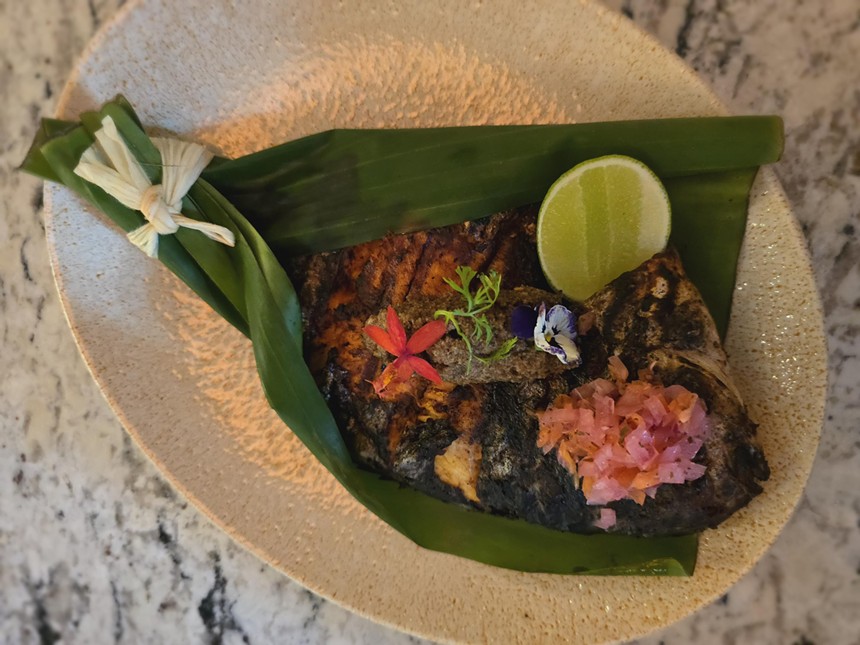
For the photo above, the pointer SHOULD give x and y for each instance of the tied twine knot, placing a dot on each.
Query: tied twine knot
(158, 212)
(110, 165)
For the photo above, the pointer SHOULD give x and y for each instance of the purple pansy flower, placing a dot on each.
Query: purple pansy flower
(555, 333)
(523, 321)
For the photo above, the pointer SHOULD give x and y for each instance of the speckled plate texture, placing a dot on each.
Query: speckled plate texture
(240, 76)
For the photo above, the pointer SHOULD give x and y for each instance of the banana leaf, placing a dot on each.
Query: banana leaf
(708, 177)
(344, 187)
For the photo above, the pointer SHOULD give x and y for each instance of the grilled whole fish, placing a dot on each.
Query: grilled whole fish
(473, 439)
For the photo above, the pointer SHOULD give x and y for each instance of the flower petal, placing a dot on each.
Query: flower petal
(396, 331)
(570, 352)
(423, 368)
(404, 369)
(561, 320)
(555, 333)
(381, 337)
(395, 372)
(540, 323)
(426, 336)
(386, 378)
(540, 343)
(523, 321)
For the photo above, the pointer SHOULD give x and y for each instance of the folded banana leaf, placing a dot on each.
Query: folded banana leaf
(345, 187)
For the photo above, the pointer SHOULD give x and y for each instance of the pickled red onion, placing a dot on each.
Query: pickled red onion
(625, 439)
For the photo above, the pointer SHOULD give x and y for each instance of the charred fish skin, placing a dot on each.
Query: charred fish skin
(474, 442)
(517, 479)
(656, 307)
(669, 327)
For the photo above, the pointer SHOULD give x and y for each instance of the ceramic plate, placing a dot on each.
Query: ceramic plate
(240, 76)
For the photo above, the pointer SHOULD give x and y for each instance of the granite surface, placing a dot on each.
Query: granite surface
(96, 547)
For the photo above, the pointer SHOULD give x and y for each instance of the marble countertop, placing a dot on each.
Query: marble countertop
(96, 547)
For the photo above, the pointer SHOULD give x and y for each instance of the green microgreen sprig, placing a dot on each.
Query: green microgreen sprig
(477, 304)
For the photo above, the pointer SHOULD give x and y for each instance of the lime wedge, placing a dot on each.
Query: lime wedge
(599, 219)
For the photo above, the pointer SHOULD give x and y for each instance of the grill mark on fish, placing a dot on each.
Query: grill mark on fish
(650, 315)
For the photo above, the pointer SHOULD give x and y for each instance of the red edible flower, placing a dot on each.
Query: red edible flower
(393, 340)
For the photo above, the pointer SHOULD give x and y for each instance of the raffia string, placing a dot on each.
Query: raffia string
(111, 166)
